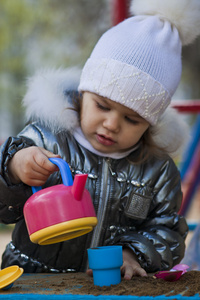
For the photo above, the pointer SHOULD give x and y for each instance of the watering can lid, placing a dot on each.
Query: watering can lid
(9, 275)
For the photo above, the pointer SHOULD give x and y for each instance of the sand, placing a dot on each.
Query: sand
(82, 284)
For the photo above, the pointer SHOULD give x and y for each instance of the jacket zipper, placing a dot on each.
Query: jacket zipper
(103, 201)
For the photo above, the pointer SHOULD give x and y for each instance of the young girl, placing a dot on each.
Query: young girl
(119, 131)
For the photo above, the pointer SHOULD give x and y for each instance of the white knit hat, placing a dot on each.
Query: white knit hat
(138, 62)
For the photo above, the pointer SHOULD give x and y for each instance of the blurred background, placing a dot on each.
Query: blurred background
(37, 34)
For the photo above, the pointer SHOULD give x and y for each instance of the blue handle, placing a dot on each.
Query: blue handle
(64, 170)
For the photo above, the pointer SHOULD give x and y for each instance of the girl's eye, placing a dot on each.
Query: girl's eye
(135, 122)
(100, 106)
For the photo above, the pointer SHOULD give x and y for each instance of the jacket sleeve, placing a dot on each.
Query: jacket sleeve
(12, 196)
(159, 241)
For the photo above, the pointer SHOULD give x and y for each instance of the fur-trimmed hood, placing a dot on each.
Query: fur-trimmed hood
(48, 100)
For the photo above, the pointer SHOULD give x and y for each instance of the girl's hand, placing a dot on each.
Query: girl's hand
(131, 265)
(31, 166)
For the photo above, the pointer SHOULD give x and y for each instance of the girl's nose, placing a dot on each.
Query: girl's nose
(112, 122)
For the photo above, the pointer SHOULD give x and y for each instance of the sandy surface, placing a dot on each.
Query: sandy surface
(81, 284)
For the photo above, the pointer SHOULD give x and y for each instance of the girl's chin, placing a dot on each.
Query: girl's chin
(102, 148)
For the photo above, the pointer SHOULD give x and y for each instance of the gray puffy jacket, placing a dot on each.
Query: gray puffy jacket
(136, 204)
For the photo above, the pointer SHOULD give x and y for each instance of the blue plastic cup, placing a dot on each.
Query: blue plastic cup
(105, 263)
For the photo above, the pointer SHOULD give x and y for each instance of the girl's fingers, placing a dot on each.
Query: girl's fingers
(89, 272)
(41, 159)
(128, 271)
(38, 170)
(31, 166)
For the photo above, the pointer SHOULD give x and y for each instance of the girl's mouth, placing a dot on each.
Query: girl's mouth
(105, 140)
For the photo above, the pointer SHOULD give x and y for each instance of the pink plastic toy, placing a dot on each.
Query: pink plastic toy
(174, 274)
(60, 212)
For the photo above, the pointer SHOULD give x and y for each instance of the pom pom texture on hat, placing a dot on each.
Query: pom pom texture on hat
(183, 14)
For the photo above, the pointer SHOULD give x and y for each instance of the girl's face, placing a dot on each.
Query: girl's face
(109, 126)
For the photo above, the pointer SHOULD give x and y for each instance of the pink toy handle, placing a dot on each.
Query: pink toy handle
(64, 170)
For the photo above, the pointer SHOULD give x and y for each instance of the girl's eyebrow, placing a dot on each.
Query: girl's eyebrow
(96, 97)
(135, 115)
(104, 99)
(132, 114)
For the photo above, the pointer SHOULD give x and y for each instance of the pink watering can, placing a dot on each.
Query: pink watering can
(61, 212)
